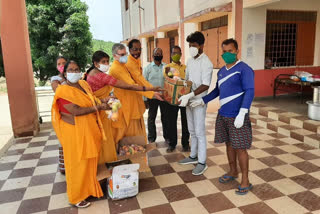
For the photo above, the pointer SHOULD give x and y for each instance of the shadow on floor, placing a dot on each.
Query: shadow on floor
(288, 102)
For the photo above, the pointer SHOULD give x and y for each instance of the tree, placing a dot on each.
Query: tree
(57, 27)
(103, 46)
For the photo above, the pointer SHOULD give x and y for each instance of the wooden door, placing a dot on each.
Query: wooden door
(213, 46)
(150, 50)
(164, 44)
(305, 43)
(223, 35)
(176, 40)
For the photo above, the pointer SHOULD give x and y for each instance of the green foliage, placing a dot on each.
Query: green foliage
(103, 46)
(58, 27)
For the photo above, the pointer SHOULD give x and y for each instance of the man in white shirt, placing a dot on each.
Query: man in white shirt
(199, 71)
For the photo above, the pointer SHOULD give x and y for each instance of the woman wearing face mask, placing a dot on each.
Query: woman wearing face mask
(58, 79)
(55, 82)
(102, 84)
(76, 121)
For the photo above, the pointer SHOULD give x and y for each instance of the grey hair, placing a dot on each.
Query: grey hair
(155, 50)
(116, 47)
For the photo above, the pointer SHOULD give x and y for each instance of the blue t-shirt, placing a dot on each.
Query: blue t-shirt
(235, 86)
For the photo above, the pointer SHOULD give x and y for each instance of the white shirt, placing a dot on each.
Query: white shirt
(199, 71)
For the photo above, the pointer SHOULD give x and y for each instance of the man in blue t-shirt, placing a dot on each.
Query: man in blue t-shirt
(235, 87)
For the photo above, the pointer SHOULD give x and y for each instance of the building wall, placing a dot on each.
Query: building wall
(257, 3)
(134, 18)
(167, 12)
(125, 22)
(254, 24)
(195, 6)
(147, 15)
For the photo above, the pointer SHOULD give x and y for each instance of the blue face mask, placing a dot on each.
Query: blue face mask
(123, 59)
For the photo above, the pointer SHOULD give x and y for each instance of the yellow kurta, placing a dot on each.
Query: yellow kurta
(181, 68)
(81, 143)
(108, 147)
(130, 122)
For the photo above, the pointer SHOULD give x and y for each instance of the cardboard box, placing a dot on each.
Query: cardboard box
(124, 182)
(139, 158)
(174, 89)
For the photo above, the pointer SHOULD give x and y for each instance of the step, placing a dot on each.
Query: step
(289, 124)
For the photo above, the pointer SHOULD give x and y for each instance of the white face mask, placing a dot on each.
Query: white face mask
(73, 77)
(104, 68)
(123, 59)
(193, 51)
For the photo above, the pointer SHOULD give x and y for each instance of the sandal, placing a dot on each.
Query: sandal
(243, 190)
(82, 204)
(226, 178)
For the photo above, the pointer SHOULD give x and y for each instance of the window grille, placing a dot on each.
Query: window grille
(285, 39)
(214, 23)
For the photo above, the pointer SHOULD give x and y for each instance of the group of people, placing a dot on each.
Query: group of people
(88, 137)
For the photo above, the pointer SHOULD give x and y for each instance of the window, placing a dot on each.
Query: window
(214, 23)
(126, 4)
(288, 33)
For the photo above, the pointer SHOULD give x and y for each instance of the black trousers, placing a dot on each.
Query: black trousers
(169, 117)
(184, 124)
(152, 115)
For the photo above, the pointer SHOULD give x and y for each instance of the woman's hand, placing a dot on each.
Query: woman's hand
(158, 88)
(106, 100)
(103, 106)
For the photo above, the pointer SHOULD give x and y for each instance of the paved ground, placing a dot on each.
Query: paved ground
(291, 102)
(44, 102)
(5, 122)
(285, 174)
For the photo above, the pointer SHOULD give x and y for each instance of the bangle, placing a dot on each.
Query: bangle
(144, 88)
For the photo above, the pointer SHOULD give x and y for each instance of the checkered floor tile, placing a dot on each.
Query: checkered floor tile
(284, 171)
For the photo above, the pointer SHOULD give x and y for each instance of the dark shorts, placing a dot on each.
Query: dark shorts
(226, 132)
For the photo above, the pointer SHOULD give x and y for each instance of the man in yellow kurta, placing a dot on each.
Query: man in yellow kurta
(177, 66)
(130, 122)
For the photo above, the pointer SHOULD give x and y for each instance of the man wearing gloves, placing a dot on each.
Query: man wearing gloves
(199, 71)
(235, 86)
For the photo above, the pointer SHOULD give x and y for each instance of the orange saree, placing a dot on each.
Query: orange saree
(108, 147)
(81, 143)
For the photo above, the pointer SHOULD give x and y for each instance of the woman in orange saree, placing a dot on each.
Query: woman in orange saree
(101, 85)
(76, 121)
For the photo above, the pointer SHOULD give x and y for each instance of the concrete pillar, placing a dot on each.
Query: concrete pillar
(181, 30)
(144, 54)
(237, 8)
(18, 68)
(231, 21)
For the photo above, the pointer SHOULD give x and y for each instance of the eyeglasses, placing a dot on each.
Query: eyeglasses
(122, 54)
(74, 71)
(136, 49)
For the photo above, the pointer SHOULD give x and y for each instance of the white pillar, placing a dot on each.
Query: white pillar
(144, 54)
(231, 25)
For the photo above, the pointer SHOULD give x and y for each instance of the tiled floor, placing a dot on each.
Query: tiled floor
(284, 171)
